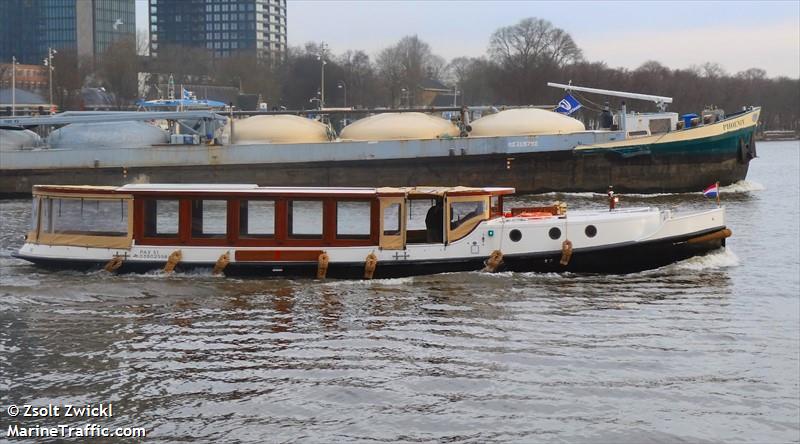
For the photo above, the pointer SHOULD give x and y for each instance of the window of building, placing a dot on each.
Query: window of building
(160, 218)
(305, 219)
(257, 218)
(209, 218)
(353, 219)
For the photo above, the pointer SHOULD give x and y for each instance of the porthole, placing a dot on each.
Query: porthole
(591, 231)
(554, 233)
(515, 235)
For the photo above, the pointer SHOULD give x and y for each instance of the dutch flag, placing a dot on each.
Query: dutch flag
(712, 191)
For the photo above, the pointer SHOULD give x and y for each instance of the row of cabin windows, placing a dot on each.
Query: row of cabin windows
(257, 218)
(209, 219)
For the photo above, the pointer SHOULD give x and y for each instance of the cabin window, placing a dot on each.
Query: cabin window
(161, 217)
(97, 217)
(35, 213)
(305, 219)
(353, 219)
(257, 218)
(461, 212)
(209, 218)
(391, 220)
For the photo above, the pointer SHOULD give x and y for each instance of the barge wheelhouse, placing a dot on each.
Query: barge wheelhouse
(348, 232)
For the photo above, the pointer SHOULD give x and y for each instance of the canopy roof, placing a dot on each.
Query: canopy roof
(249, 189)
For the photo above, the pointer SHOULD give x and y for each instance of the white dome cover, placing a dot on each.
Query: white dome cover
(11, 140)
(107, 135)
(399, 126)
(525, 121)
(284, 128)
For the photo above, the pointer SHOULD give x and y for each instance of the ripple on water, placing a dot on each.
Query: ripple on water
(705, 350)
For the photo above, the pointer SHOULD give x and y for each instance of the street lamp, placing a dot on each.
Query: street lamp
(316, 99)
(343, 86)
(13, 86)
(321, 57)
(48, 62)
(404, 94)
(456, 92)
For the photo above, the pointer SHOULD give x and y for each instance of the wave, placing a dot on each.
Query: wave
(742, 186)
(724, 258)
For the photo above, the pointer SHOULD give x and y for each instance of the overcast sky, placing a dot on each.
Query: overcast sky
(736, 34)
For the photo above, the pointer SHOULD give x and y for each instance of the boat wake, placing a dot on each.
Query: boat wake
(723, 258)
(742, 186)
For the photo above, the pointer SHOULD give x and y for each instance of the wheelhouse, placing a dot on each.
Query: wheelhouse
(253, 216)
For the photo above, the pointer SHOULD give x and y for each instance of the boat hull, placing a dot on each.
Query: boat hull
(681, 161)
(620, 259)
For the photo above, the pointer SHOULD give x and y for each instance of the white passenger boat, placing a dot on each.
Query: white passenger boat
(349, 232)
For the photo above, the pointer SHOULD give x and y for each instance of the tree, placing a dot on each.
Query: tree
(406, 64)
(118, 69)
(527, 54)
(360, 79)
(69, 75)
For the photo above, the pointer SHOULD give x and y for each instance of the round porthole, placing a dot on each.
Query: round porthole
(554, 233)
(591, 231)
(515, 235)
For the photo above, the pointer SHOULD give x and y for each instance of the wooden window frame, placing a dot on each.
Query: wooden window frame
(139, 214)
(374, 213)
(261, 240)
(226, 239)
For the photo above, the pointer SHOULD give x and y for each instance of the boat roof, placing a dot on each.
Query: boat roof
(253, 189)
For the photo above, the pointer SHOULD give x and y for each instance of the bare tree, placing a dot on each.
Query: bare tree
(527, 52)
(118, 69)
(407, 64)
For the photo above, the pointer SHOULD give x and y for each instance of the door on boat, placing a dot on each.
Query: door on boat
(425, 220)
(393, 223)
(464, 213)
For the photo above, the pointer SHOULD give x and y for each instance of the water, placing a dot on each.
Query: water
(706, 350)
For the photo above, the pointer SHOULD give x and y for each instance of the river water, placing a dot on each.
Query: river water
(707, 350)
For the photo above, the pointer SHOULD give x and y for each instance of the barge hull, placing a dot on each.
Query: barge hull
(681, 161)
(528, 173)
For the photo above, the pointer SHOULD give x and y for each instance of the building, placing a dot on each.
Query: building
(224, 27)
(435, 93)
(29, 27)
(30, 77)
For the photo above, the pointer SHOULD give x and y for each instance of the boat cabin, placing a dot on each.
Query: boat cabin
(253, 216)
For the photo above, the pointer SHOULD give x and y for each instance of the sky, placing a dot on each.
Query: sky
(735, 34)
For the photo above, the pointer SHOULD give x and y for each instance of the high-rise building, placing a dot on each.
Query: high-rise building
(224, 27)
(29, 27)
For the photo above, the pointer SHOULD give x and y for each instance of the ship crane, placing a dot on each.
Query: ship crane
(660, 101)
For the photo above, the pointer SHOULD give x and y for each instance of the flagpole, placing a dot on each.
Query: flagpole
(718, 204)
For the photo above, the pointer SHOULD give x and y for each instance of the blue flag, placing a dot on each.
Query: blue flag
(568, 105)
